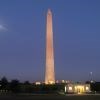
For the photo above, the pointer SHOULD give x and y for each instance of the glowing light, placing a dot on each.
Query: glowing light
(79, 89)
(87, 88)
(91, 73)
(63, 81)
(51, 82)
(49, 72)
(37, 83)
(70, 88)
(65, 89)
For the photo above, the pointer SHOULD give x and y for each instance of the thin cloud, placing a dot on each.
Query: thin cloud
(2, 28)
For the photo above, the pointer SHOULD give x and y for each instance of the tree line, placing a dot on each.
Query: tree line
(15, 86)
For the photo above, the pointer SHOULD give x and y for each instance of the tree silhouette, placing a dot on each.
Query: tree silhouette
(4, 83)
(15, 86)
(26, 83)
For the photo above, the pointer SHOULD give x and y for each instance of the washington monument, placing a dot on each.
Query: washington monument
(49, 72)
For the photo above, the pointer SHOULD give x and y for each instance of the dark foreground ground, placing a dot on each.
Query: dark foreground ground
(49, 97)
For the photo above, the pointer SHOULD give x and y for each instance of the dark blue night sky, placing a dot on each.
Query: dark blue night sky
(76, 26)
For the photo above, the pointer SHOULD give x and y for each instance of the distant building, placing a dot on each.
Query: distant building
(78, 88)
(38, 83)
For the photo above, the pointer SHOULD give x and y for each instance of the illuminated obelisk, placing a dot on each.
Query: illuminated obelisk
(49, 72)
